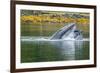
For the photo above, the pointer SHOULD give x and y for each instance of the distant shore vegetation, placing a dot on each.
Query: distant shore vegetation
(54, 17)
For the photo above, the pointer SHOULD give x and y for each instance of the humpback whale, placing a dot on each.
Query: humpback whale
(68, 32)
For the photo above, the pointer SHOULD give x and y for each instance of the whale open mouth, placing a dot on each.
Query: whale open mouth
(68, 32)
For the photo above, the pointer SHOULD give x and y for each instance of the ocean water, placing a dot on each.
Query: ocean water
(42, 49)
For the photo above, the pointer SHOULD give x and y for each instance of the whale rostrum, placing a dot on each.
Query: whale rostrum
(68, 32)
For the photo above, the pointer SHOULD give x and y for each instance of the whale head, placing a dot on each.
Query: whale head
(68, 31)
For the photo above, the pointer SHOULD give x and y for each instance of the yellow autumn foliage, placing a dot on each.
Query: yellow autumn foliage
(39, 19)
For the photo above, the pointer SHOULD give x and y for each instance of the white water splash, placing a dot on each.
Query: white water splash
(29, 38)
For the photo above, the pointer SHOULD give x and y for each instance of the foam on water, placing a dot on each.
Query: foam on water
(28, 38)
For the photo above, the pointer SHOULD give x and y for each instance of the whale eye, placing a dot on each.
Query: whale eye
(77, 32)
